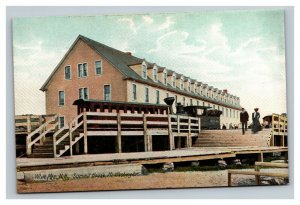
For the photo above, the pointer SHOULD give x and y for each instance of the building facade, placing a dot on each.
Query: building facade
(91, 70)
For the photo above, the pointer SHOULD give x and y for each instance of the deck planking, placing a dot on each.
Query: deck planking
(190, 154)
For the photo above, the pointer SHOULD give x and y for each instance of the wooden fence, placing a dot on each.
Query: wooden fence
(128, 124)
(279, 129)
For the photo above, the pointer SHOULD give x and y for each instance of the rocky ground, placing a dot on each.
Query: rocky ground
(151, 181)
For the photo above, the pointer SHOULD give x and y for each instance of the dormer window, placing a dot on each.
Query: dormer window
(189, 85)
(144, 70)
(165, 77)
(181, 83)
(155, 74)
(174, 80)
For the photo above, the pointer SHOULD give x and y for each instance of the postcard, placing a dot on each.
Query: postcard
(150, 101)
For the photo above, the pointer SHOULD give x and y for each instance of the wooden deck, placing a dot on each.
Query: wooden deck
(182, 155)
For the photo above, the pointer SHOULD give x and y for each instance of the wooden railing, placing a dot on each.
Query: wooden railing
(124, 124)
(42, 131)
(279, 128)
(25, 124)
(74, 125)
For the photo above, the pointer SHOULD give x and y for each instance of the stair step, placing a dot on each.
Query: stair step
(43, 150)
(41, 155)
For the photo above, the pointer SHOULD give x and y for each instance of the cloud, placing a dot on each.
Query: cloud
(167, 24)
(251, 67)
(33, 63)
(254, 70)
(148, 19)
(130, 22)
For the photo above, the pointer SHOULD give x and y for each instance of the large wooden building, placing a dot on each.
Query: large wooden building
(91, 70)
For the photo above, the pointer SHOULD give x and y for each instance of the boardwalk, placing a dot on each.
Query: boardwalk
(191, 154)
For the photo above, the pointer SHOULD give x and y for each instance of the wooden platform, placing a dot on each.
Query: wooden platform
(233, 138)
(192, 154)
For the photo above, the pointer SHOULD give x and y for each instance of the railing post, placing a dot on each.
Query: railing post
(119, 137)
(70, 137)
(28, 124)
(145, 132)
(199, 124)
(188, 141)
(178, 131)
(28, 148)
(54, 146)
(272, 132)
(85, 132)
(171, 137)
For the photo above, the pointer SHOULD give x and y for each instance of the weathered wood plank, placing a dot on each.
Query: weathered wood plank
(258, 173)
(272, 164)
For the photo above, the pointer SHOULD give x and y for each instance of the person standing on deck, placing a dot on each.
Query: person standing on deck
(244, 118)
(255, 121)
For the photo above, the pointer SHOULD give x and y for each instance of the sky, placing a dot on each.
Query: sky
(242, 51)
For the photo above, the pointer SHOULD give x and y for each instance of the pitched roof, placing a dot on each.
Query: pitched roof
(120, 60)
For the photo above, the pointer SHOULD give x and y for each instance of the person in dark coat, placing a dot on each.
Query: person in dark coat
(255, 121)
(244, 118)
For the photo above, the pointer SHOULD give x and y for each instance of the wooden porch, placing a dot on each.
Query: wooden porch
(65, 140)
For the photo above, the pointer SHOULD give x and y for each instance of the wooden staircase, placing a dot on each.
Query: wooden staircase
(48, 141)
(45, 150)
(232, 138)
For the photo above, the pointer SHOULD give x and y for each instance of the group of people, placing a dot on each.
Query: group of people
(244, 118)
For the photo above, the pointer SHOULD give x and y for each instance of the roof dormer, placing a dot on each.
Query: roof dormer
(187, 84)
(179, 81)
(162, 75)
(171, 75)
(152, 70)
(194, 86)
(144, 70)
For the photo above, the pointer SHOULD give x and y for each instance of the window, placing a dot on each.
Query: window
(83, 93)
(195, 88)
(98, 67)
(155, 74)
(226, 112)
(134, 92)
(61, 98)
(183, 101)
(146, 94)
(167, 95)
(222, 111)
(174, 81)
(68, 72)
(189, 86)
(181, 83)
(144, 71)
(61, 121)
(191, 102)
(107, 93)
(82, 70)
(175, 99)
(214, 107)
(165, 77)
(201, 92)
(197, 103)
(157, 96)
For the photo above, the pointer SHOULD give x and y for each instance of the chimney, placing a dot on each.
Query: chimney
(225, 91)
(129, 53)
